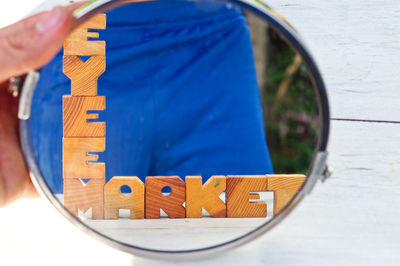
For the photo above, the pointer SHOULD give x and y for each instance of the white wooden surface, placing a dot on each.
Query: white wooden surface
(356, 44)
(177, 234)
(352, 219)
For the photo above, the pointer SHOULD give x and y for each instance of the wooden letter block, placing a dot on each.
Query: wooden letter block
(80, 196)
(76, 159)
(207, 196)
(84, 75)
(77, 42)
(285, 187)
(171, 204)
(75, 116)
(238, 196)
(114, 200)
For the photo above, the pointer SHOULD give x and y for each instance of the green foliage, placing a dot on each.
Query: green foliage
(290, 109)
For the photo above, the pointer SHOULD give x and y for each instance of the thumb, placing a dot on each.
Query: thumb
(32, 42)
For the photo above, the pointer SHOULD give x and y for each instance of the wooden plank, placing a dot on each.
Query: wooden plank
(356, 46)
(238, 196)
(332, 222)
(75, 116)
(114, 200)
(285, 187)
(176, 234)
(76, 161)
(348, 220)
(80, 196)
(77, 42)
(205, 196)
(84, 75)
(171, 204)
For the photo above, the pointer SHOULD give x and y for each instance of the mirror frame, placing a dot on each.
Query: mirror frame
(317, 171)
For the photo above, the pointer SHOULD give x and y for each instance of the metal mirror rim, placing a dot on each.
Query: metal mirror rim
(317, 168)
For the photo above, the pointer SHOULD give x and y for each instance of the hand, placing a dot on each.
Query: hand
(26, 45)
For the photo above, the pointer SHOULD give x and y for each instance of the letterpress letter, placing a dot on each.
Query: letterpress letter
(78, 196)
(84, 75)
(171, 204)
(75, 116)
(285, 188)
(76, 161)
(207, 196)
(238, 196)
(114, 200)
(77, 42)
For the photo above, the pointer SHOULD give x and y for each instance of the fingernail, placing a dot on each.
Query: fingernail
(49, 20)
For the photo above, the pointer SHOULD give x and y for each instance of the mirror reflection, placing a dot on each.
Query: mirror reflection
(161, 110)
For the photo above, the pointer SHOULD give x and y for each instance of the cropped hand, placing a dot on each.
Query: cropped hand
(26, 45)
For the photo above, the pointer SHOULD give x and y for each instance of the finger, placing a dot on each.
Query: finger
(31, 20)
(24, 46)
(14, 178)
(31, 43)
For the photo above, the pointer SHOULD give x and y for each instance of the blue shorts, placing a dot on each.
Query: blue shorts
(181, 96)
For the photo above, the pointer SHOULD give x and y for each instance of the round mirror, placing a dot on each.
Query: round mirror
(176, 127)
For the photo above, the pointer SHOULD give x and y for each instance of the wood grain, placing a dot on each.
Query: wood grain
(83, 75)
(356, 45)
(77, 42)
(75, 158)
(75, 116)
(171, 204)
(80, 196)
(285, 187)
(360, 65)
(238, 196)
(114, 200)
(199, 196)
